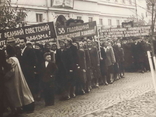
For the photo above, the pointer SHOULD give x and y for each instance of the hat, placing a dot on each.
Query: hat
(46, 54)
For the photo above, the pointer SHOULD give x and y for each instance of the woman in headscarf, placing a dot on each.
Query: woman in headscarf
(17, 91)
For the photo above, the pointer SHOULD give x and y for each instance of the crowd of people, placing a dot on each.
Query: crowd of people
(32, 71)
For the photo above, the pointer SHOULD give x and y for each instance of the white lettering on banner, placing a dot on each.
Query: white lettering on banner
(37, 37)
(42, 28)
(61, 31)
(2, 42)
(13, 33)
(73, 35)
(37, 29)
(77, 28)
(29, 30)
(87, 32)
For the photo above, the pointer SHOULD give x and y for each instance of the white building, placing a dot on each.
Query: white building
(109, 13)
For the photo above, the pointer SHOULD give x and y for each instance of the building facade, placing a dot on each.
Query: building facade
(107, 13)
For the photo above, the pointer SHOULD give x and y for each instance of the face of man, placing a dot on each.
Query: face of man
(54, 47)
(81, 45)
(47, 46)
(105, 44)
(22, 43)
(48, 58)
(62, 45)
(75, 44)
(89, 45)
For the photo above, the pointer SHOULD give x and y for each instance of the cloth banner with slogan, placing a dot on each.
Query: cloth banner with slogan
(31, 33)
(77, 31)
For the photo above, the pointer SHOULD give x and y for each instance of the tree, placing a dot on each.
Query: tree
(11, 17)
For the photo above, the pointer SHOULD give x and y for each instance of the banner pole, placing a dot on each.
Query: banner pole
(57, 42)
(152, 69)
(98, 31)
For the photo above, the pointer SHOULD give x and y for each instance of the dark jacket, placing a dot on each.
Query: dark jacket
(28, 64)
(49, 72)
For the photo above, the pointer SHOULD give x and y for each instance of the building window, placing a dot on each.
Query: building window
(109, 22)
(117, 22)
(101, 21)
(90, 19)
(130, 2)
(79, 17)
(51, 3)
(39, 17)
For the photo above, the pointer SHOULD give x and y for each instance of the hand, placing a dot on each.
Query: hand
(84, 70)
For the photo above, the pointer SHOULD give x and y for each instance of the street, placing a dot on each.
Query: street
(106, 101)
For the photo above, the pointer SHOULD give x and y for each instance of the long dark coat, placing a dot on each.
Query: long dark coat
(28, 65)
(82, 64)
(103, 66)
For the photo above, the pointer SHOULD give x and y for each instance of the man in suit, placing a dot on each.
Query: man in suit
(48, 79)
(27, 60)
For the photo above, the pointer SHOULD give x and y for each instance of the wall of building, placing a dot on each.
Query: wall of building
(97, 9)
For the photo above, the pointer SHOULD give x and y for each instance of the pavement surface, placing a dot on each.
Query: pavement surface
(132, 96)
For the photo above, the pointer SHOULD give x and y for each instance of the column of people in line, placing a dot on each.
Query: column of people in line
(34, 71)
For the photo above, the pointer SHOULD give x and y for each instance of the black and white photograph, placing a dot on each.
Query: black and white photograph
(77, 58)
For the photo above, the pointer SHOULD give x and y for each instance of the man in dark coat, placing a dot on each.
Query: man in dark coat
(62, 71)
(27, 60)
(103, 66)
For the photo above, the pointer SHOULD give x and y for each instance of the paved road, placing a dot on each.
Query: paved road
(133, 85)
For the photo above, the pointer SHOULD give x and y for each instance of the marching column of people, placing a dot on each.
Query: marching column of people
(35, 71)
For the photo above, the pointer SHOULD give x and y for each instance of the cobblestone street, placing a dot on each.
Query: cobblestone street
(126, 97)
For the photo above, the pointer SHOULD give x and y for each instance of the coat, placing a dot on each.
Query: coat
(17, 90)
(95, 61)
(28, 64)
(103, 66)
(110, 57)
(49, 72)
(82, 64)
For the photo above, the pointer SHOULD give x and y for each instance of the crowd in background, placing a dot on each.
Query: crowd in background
(32, 71)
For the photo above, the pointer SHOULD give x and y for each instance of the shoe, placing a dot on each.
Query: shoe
(87, 91)
(122, 77)
(73, 96)
(65, 98)
(82, 92)
(106, 83)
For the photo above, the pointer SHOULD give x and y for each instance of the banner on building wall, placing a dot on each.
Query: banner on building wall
(31, 33)
(63, 3)
(125, 32)
(77, 31)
